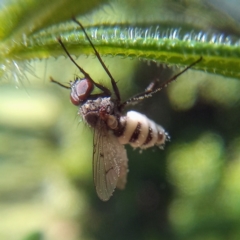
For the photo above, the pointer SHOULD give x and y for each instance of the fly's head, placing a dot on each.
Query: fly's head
(80, 90)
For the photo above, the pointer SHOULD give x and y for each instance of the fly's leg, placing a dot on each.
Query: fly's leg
(150, 89)
(114, 83)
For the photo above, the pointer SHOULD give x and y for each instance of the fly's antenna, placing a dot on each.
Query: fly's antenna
(114, 84)
(149, 92)
(86, 75)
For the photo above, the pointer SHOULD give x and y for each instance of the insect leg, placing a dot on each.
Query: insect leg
(151, 86)
(60, 84)
(149, 92)
(114, 84)
(86, 75)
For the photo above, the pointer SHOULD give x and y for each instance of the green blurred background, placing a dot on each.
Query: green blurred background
(188, 191)
(191, 190)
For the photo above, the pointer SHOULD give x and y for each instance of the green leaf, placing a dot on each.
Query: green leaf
(170, 35)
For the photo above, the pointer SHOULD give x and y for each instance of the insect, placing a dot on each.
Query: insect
(103, 113)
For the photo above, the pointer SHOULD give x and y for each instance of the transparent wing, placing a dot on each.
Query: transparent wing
(110, 163)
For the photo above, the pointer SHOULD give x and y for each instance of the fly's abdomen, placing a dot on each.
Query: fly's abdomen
(140, 131)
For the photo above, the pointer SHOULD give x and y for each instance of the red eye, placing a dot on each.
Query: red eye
(81, 89)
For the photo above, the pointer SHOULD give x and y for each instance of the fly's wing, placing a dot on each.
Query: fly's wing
(109, 162)
(122, 179)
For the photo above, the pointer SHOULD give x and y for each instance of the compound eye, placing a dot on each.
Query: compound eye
(81, 90)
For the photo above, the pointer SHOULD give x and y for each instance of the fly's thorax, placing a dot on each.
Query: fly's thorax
(93, 110)
(139, 131)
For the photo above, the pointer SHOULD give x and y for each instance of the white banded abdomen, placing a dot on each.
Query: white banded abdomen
(140, 131)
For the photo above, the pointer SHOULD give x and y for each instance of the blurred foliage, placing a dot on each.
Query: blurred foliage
(188, 191)
(34, 236)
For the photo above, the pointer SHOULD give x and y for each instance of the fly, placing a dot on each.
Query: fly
(112, 129)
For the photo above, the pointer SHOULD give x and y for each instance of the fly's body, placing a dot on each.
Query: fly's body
(133, 128)
(113, 129)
